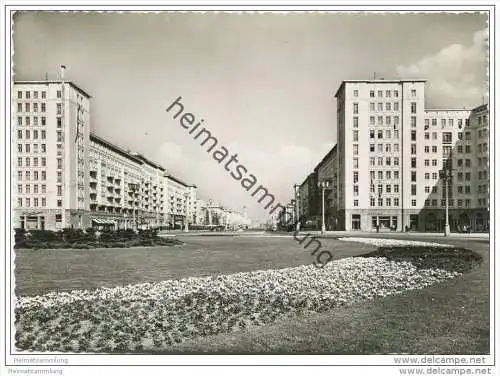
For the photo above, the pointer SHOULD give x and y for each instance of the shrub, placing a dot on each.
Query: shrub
(45, 235)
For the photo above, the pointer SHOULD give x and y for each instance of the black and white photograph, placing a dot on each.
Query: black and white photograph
(254, 186)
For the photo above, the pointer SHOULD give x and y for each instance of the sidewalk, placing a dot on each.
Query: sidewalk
(410, 234)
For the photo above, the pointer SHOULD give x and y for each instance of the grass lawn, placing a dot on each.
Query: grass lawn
(449, 318)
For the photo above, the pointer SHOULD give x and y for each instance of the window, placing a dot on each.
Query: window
(460, 149)
(414, 135)
(380, 106)
(372, 133)
(387, 120)
(426, 162)
(396, 121)
(467, 135)
(434, 162)
(44, 134)
(35, 107)
(59, 109)
(380, 201)
(372, 161)
(396, 148)
(388, 134)
(413, 93)
(414, 176)
(380, 189)
(427, 176)
(356, 162)
(27, 120)
(27, 175)
(354, 121)
(59, 190)
(388, 106)
(434, 175)
(27, 148)
(396, 106)
(396, 163)
(59, 163)
(380, 175)
(27, 95)
(59, 204)
(27, 161)
(447, 137)
(467, 163)
(372, 147)
(355, 177)
(467, 148)
(355, 108)
(388, 174)
(27, 107)
(19, 107)
(59, 176)
(396, 201)
(450, 122)
(19, 162)
(388, 188)
(35, 120)
(43, 107)
(355, 135)
(372, 106)
(356, 202)
(59, 136)
(379, 93)
(413, 202)
(388, 161)
(44, 148)
(427, 202)
(413, 148)
(19, 175)
(27, 200)
(355, 190)
(435, 149)
(35, 134)
(372, 201)
(380, 134)
(388, 148)
(467, 176)
(413, 106)
(396, 133)
(355, 149)
(413, 121)
(396, 188)
(35, 188)
(434, 122)
(380, 161)
(372, 175)
(372, 94)
(355, 93)
(426, 135)
(467, 189)
(387, 201)
(413, 162)
(35, 175)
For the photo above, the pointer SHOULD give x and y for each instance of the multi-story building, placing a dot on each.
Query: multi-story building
(51, 125)
(391, 152)
(66, 176)
(326, 172)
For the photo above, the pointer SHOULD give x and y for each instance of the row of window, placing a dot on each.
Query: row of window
(27, 161)
(27, 94)
(389, 174)
(389, 106)
(43, 188)
(451, 122)
(451, 202)
(380, 93)
(482, 147)
(28, 176)
(36, 201)
(380, 188)
(35, 108)
(36, 122)
(27, 134)
(380, 201)
(389, 148)
(389, 120)
(388, 160)
(28, 148)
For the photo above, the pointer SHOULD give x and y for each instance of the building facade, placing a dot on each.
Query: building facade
(66, 176)
(391, 151)
(51, 126)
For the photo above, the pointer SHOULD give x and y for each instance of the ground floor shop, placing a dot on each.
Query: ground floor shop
(460, 220)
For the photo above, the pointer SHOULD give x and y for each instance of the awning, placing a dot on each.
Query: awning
(103, 221)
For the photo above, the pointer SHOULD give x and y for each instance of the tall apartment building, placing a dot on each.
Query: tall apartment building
(390, 154)
(51, 125)
(66, 176)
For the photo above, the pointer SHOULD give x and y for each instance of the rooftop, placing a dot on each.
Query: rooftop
(47, 82)
(377, 81)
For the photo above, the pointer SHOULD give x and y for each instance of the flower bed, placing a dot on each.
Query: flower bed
(380, 242)
(151, 316)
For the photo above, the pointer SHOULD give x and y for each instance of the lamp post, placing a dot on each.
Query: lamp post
(323, 185)
(445, 174)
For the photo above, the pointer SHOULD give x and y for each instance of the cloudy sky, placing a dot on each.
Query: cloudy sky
(263, 83)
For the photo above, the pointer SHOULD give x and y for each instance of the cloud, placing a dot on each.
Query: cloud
(456, 75)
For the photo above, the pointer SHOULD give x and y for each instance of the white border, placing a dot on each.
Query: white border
(358, 360)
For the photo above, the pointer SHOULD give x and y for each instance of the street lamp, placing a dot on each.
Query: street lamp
(445, 175)
(323, 185)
